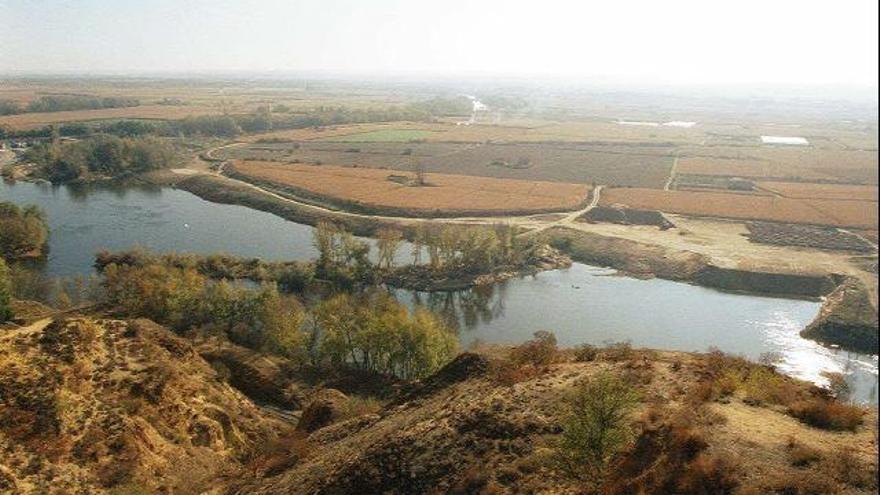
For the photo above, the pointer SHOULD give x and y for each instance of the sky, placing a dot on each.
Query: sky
(671, 41)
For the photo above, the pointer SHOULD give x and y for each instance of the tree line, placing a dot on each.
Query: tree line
(264, 119)
(101, 156)
(370, 331)
(59, 103)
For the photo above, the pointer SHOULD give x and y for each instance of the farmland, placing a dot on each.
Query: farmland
(148, 112)
(383, 136)
(642, 166)
(857, 214)
(388, 191)
(768, 162)
(804, 190)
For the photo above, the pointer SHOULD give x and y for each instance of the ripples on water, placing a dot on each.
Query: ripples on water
(582, 304)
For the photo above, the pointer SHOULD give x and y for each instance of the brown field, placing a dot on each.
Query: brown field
(523, 131)
(858, 214)
(769, 162)
(149, 112)
(451, 193)
(639, 166)
(805, 190)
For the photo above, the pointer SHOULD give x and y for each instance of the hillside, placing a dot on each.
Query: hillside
(88, 405)
(461, 431)
(91, 405)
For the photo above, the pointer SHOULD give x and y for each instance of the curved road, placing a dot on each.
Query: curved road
(536, 222)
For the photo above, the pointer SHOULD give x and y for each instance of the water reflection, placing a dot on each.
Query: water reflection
(589, 305)
(580, 305)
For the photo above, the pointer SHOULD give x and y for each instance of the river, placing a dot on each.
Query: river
(582, 304)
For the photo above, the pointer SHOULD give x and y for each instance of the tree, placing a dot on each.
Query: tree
(421, 175)
(23, 231)
(324, 239)
(388, 241)
(596, 428)
(5, 293)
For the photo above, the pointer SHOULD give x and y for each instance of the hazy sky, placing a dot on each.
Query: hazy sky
(693, 41)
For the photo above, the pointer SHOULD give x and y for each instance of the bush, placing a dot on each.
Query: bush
(708, 474)
(763, 386)
(844, 467)
(596, 428)
(828, 414)
(585, 353)
(801, 455)
(540, 351)
(618, 351)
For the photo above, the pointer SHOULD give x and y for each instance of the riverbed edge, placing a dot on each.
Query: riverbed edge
(631, 258)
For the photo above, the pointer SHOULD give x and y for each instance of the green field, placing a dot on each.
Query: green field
(384, 135)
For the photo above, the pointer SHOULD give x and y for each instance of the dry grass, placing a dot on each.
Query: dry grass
(828, 414)
(149, 112)
(748, 207)
(453, 193)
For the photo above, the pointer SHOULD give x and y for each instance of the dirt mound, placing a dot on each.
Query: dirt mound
(90, 405)
(465, 366)
(627, 216)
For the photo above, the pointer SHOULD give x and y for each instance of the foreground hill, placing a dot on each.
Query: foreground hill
(92, 405)
(468, 429)
(88, 405)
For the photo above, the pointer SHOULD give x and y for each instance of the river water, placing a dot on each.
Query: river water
(582, 304)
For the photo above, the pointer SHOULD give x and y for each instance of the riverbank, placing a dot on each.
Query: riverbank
(847, 319)
(637, 258)
(424, 278)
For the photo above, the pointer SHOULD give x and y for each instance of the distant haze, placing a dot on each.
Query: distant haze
(689, 41)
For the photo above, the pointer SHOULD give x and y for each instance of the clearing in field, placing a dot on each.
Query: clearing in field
(841, 213)
(391, 192)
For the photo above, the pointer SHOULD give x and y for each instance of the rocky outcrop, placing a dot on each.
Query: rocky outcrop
(788, 284)
(847, 319)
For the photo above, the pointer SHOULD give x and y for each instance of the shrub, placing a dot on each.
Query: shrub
(618, 351)
(508, 373)
(828, 414)
(595, 429)
(763, 386)
(585, 353)
(838, 385)
(804, 483)
(801, 455)
(540, 351)
(708, 474)
(844, 467)
(280, 454)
